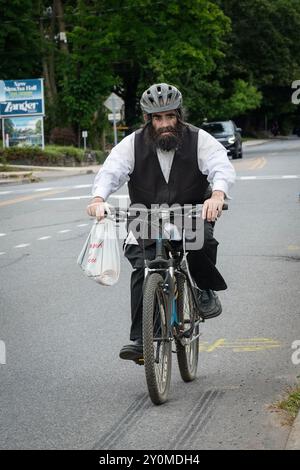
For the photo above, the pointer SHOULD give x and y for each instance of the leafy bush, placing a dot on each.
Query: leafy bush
(52, 155)
(100, 156)
(3, 160)
(62, 136)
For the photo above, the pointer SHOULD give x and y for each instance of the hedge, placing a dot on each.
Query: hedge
(52, 155)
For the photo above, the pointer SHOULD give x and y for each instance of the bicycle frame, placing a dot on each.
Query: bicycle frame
(169, 268)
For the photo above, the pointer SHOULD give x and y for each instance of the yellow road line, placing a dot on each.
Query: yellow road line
(256, 348)
(32, 196)
(263, 163)
(250, 163)
(241, 345)
(215, 345)
(293, 247)
(258, 163)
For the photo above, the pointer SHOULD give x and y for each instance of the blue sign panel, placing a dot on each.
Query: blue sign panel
(21, 97)
(21, 108)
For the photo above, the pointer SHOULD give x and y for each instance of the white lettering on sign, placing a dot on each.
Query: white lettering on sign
(26, 106)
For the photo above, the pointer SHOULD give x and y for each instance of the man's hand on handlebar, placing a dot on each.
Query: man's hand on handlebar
(212, 208)
(96, 208)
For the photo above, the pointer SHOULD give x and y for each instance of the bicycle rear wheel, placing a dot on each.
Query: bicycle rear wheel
(187, 348)
(156, 342)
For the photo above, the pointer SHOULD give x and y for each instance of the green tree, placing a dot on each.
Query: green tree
(263, 51)
(19, 40)
(177, 41)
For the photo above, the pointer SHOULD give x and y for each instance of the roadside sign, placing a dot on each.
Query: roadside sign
(84, 135)
(117, 117)
(21, 98)
(114, 103)
(22, 111)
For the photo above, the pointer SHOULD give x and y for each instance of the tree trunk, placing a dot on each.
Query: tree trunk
(130, 83)
(48, 60)
(58, 8)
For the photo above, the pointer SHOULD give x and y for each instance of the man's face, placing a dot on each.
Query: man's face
(166, 130)
(163, 121)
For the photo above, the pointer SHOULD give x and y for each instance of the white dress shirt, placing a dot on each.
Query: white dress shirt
(117, 168)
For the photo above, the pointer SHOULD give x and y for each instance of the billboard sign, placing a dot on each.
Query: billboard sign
(26, 131)
(21, 97)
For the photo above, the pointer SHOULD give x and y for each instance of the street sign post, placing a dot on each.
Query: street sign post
(84, 135)
(114, 103)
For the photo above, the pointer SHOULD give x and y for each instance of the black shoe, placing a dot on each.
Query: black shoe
(133, 352)
(210, 305)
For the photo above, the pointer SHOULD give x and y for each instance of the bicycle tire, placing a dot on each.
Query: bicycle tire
(187, 354)
(157, 354)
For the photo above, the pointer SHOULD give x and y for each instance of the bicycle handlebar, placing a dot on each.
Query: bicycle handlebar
(194, 208)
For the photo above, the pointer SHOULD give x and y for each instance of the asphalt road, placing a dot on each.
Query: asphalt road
(63, 385)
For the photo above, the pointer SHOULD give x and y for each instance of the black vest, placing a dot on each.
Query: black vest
(187, 185)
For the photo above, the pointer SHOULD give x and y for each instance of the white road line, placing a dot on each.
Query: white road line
(2, 234)
(23, 245)
(67, 198)
(2, 193)
(79, 186)
(64, 231)
(73, 198)
(246, 178)
(82, 225)
(268, 177)
(45, 238)
(2, 253)
(42, 189)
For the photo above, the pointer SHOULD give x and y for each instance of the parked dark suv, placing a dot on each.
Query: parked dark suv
(228, 134)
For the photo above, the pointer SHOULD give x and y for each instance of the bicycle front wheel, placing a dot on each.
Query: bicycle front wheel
(156, 342)
(187, 348)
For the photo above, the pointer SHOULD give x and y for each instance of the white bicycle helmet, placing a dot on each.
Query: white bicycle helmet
(160, 97)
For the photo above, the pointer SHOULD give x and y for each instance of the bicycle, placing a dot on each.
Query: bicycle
(171, 310)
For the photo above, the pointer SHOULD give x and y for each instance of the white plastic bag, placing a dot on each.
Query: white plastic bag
(100, 255)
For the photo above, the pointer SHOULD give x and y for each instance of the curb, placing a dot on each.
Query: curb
(250, 143)
(293, 442)
(40, 174)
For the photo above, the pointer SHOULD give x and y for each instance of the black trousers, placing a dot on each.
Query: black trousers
(202, 264)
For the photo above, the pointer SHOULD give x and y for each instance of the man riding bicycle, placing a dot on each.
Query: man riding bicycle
(168, 161)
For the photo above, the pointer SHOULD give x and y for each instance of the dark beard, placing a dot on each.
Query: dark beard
(166, 142)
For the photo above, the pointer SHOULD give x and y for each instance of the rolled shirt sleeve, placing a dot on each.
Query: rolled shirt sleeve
(116, 169)
(214, 162)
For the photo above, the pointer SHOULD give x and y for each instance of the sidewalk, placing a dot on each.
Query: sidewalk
(248, 143)
(293, 442)
(35, 174)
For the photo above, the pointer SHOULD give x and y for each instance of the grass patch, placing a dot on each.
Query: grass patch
(288, 407)
(291, 404)
(4, 168)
